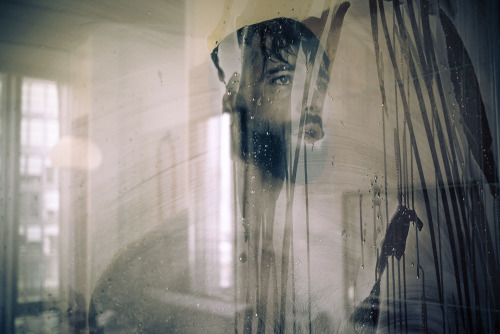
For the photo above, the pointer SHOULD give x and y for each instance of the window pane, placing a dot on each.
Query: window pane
(39, 194)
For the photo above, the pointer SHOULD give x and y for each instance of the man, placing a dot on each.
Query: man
(275, 100)
(275, 106)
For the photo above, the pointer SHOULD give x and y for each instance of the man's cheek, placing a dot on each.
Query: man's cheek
(276, 110)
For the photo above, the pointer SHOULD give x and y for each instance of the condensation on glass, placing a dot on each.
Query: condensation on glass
(249, 166)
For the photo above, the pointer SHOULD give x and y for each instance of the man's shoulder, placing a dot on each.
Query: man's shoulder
(157, 260)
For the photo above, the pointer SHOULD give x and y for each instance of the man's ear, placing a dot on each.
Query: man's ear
(229, 99)
(229, 106)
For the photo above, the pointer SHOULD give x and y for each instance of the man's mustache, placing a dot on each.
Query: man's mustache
(315, 119)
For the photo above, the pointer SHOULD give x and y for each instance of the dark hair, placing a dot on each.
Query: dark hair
(276, 35)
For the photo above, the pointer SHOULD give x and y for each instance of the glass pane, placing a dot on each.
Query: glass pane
(284, 166)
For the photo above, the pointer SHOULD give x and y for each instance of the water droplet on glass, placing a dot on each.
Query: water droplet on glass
(160, 76)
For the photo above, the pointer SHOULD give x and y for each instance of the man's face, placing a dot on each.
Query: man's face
(268, 102)
(266, 87)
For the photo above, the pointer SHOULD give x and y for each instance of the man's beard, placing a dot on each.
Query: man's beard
(269, 154)
(270, 150)
(264, 145)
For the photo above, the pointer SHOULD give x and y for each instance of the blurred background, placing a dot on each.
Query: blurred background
(97, 135)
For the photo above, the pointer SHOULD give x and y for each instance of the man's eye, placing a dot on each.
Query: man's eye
(282, 80)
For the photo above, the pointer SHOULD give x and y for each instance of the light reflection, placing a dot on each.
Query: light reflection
(75, 153)
(225, 246)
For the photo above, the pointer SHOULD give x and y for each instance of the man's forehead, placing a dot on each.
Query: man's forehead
(255, 49)
(254, 58)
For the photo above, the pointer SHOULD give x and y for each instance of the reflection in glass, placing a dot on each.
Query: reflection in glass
(336, 171)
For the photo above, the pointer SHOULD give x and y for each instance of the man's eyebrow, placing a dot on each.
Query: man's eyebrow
(280, 69)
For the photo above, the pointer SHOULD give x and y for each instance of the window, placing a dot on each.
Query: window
(35, 213)
(39, 231)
